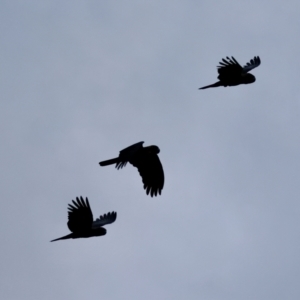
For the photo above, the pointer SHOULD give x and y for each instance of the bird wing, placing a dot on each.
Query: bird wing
(104, 220)
(127, 153)
(229, 67)
(255, 62)
(151, 171)
(80, 215)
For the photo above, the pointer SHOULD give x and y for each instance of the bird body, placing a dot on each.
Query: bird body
(81, 222)
(231, 73)
(146, 160)
(83, 234)
(126, 155)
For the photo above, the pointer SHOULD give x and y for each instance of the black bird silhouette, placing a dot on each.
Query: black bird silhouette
(232, 73)
(81, 221)
(147, 162)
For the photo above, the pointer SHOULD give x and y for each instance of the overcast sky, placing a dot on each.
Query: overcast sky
(81, 80)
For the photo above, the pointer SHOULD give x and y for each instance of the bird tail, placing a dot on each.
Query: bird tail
(69, 236)
(109, 162)
(211, 85)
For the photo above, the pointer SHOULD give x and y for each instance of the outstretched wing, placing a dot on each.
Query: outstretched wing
(151, 171)
(105, 219)
(229, 67)
(80, 215)
(127, 153)
(255, 62)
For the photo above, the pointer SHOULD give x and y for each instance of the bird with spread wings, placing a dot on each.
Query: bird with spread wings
(146, 160)
(231, 73)
(81, 222)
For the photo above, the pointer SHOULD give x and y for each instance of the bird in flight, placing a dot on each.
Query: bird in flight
(81, 221)
(232, 73)
(146, 160)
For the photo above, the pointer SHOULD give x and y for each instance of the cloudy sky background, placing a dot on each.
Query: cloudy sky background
(81, 80)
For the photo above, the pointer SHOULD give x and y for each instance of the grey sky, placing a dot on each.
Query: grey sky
(81, 80)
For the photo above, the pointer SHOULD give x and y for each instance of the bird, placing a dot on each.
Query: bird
(231, 73)
(146, 160)
(81, 222)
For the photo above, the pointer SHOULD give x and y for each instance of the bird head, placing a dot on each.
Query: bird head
(249, 78)
(99, 231)
(153, 149)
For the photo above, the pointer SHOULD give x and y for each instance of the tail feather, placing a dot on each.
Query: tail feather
(211, 85)
(69, 236)
(109, 162)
